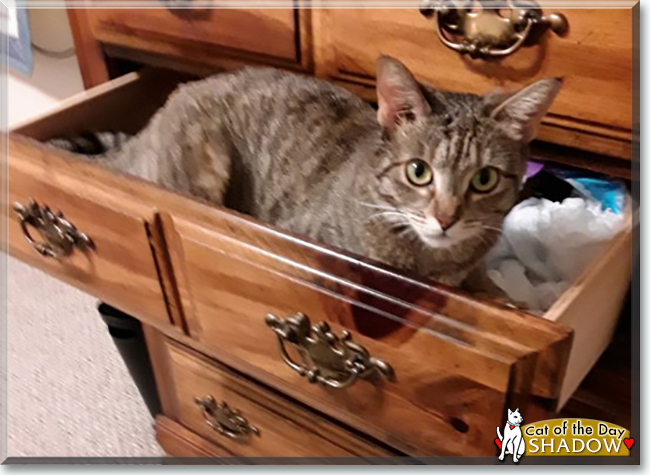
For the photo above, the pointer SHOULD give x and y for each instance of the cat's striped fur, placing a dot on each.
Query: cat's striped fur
(90, 143)
(313, 158)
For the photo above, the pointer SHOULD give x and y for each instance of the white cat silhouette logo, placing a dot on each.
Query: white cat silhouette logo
(512, 441)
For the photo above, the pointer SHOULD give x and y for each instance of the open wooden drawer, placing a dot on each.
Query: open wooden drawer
(100, 241)
(449, 367)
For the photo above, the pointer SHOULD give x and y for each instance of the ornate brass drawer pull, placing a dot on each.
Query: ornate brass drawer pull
(491, 32)
(60, 236)
(227, 422)
(326, 359)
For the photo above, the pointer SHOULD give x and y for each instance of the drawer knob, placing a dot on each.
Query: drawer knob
(59, 236)
(490, 32)
(227, 422)
(325, 358)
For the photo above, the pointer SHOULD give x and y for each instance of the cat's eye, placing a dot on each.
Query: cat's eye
(418, 172)
(485, 180)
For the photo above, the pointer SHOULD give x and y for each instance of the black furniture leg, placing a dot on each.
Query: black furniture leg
(128, 337)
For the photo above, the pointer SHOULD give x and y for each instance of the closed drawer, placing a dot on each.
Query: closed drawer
(458, 364)
(594, 58)
(117, 264)
(243, 417)
(193, 33)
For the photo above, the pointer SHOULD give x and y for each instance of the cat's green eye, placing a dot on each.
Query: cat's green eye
(418, 172)
(485, 180)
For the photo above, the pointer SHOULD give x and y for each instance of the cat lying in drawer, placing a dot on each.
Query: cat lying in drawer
(422, 184)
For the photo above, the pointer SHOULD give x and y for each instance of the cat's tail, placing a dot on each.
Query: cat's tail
(105, 148)
(90, 143)
(116, 151)
(499, 433)
(148, 154)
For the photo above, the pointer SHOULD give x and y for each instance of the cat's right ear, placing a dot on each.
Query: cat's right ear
(398, 95)
(522, 112)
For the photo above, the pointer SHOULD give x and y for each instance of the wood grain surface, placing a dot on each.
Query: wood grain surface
(592, 112)
(270, 32)
(285, 428)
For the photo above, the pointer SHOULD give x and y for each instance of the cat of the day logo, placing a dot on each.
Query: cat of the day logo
(561, 438)
(512, 441)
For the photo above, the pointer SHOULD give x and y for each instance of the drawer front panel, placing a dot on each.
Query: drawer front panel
(274, 426)
(119, 268)
(447, 396)
(182, 32)
(177, 441)
(594, 58)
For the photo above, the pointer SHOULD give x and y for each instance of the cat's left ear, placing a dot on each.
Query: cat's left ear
(509, 412)
(398, 95)
(522, 112)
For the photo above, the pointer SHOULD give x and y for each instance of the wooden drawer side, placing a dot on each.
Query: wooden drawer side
(592, 305)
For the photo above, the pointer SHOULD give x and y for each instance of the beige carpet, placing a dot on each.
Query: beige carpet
(69, 393)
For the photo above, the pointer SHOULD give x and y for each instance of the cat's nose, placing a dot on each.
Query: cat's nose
(447, 222)
(446, 210)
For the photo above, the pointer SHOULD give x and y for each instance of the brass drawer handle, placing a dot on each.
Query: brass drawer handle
(326, 359)
(227, 422)
(60, 236)
(491, 32)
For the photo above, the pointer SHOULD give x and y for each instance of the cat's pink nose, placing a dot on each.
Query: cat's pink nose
(447, 211)
(446, 221)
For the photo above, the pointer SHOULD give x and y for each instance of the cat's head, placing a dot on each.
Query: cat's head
(514, 417)
(453, 163)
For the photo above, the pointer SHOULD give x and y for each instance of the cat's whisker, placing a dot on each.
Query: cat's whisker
(392, 217)
(487, 227)
(376, 206)
(411, 215)
(386, 214)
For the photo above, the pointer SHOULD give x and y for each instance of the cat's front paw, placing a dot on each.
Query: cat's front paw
(501, 457)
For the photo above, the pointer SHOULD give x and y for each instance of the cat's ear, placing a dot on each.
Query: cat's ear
(398, 94)
(522, 112)
(509, 412)
(517, 410)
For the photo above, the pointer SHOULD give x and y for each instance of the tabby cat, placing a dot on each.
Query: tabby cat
(421, 184)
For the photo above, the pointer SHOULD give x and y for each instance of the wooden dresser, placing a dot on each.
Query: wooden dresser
(264, 344)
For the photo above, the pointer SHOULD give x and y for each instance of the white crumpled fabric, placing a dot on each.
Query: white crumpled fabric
(545, 245)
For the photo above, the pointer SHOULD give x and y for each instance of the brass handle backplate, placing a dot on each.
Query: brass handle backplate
(325, 358)
(493, 29)
(59, 236)
(227, 422)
